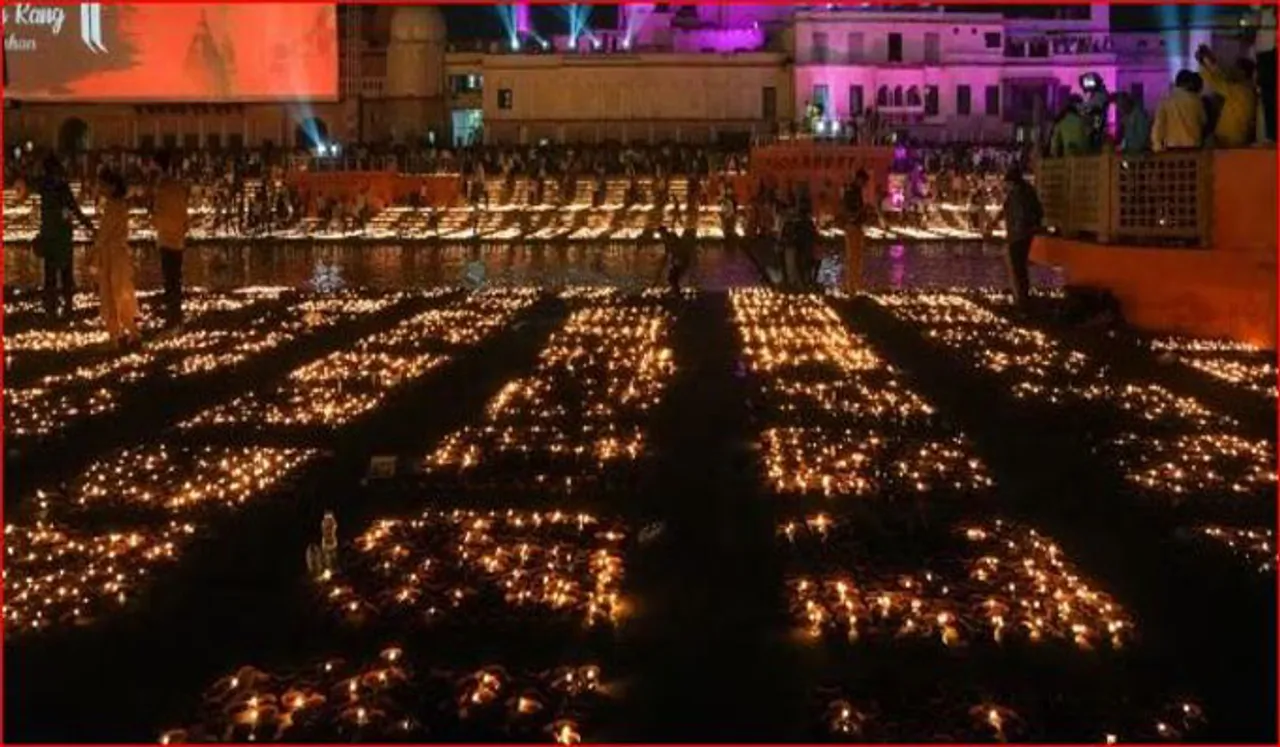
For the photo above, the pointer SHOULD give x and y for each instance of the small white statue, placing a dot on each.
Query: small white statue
(323, 558)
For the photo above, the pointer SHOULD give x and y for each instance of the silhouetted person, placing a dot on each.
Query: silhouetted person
(170, 200)
(1135, 126)
(55, 242)
(855, 213)
(1071, 132)
(1022, 215)
(678, 251)
(1264, 56)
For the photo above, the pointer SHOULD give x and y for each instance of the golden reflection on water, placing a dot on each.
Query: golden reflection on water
(388, 266)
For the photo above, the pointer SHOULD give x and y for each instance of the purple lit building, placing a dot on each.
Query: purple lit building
(695, 72)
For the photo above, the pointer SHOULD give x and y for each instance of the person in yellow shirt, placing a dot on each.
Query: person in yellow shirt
(1238, 120)
(1181, 118)
(170, 199)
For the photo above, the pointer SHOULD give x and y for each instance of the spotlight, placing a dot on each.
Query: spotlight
(515, 45)
(595, 43)
(30, 146)
(626, 44)
(546, 45)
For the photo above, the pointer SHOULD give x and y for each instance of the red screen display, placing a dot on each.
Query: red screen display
(198, 52)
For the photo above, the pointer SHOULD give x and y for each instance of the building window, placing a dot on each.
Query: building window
(931, 101)
(992, 39)
(913, 97)
(213, 141)
(856, 43)
(932, 49)
(964, 101)
(895, 47)
(147, 143)
(768, 103)
(470, 83)
(897, 96)
(236, 142)
(821, 48)
(505, 98)
(993, 101)
(170, 142)
(191, 141)
(822, 99)
(882, 96)
(855, 100)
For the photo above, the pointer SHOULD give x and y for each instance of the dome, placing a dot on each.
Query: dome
(417, 23)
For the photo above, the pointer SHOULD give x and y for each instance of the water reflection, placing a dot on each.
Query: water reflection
(391, 266)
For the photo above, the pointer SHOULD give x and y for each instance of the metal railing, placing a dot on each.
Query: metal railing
(1159, 197)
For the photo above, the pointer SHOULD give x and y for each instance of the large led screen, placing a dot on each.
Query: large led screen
(161, 52)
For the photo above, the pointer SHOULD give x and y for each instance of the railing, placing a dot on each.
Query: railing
(1111, 198)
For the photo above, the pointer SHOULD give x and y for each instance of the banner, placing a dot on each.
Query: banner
(201, 52)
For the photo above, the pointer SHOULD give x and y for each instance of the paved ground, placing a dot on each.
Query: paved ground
(903, 516)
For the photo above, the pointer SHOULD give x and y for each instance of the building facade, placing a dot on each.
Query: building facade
(667, 72)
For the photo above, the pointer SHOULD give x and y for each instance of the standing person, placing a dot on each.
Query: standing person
(1135, 126)
(677, 254)
(1239, 117)
(1264, 56)
(1022, 215)
(855, 210)
(1071, 132)
(170, 201)
(54, 243)
(1180, 117)
(803, 236)
(728, 214)
(110, 258)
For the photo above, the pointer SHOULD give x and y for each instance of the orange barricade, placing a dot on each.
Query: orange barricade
(824, 167)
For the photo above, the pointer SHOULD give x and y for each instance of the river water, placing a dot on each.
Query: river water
(392, 266)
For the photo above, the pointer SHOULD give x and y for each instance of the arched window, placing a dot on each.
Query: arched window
(897, 96)
(913, 96)
(882, 96)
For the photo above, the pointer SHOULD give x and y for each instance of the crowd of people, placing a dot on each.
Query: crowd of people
(966, 178)
(1240, 111)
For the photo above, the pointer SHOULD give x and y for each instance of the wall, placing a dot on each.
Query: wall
(642, 95)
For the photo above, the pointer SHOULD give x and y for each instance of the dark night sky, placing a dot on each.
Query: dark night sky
(481, 21)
